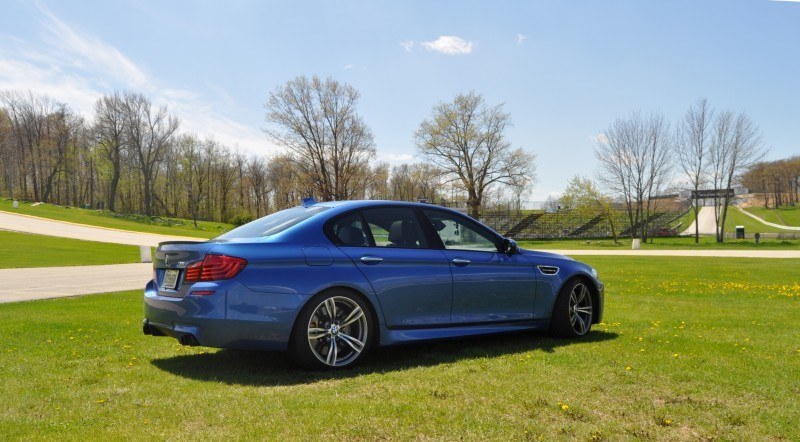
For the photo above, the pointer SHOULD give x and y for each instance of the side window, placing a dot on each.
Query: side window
(395, 227)
(349, 231)
(459, 233)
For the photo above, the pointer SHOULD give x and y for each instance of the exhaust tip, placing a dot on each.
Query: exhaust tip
(188, 339)
(150, 330)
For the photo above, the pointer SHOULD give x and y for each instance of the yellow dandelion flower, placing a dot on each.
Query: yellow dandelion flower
(628, 368)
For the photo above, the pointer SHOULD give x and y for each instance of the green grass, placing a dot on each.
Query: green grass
(787, 216)
(684, 222)
(104, 218)
(690, 349)
(18, 250)
(667, 243)
(737, 218)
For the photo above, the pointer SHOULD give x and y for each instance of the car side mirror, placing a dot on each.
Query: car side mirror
(510, 247)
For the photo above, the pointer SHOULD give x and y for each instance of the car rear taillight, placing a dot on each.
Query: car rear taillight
(214, 268)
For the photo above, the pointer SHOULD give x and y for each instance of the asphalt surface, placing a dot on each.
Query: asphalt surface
(43, 226)
(59, 282)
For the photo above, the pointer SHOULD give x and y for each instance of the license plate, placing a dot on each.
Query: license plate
(170, 279)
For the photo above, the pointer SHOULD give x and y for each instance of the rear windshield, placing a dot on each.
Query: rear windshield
(272, 224)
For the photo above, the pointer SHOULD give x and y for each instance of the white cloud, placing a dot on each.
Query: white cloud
(76, 68)
(521, 38)
(347, 67)
(408, 45)
(395, 158)
(88, 52)
(449, 44)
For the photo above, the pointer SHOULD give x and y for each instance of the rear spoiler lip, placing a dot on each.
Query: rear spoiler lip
(165, 243)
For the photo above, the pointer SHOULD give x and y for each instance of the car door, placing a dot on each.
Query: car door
(413, 282)
(488, 286)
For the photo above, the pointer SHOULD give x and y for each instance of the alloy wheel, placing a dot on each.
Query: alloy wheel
(580, 309)
(337, 331)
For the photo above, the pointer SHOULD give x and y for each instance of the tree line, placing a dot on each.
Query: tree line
(777, 181)
(131, 156)
(643, 156)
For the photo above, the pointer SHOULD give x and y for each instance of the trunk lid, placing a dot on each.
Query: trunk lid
(170, 262)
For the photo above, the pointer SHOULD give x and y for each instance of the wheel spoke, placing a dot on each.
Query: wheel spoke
(316, 333)
(572, 299)
(584, 310)
(580, 294)
(354, 316)
(581, 325)
(354, 343)
(572, 318)
(330, 306)
(584, 293)
(332, 353)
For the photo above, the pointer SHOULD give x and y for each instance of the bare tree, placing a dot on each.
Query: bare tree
(735, 146)
(318, 122)
(150, 133)
(378, 185)
(195, 161)
(634, 158)
(257, 177)
(225, 180)
(691, 147)
(465, 139)
(110, 131)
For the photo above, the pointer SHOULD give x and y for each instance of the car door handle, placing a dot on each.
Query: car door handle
(460, 261)
(371, 259)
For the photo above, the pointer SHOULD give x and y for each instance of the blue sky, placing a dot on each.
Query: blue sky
(564, 69)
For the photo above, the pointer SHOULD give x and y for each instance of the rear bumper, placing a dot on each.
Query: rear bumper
(233, 317)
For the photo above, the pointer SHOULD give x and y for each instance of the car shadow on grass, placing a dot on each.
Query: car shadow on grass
(252, 368)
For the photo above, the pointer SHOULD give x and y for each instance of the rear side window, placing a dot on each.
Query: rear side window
(273, 224)
(350, 231)
(395, 227)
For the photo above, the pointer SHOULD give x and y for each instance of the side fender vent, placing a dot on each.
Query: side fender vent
(548, 270)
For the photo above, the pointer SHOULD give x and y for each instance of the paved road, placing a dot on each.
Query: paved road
(43, 226)
(708, 224)
(58, 282)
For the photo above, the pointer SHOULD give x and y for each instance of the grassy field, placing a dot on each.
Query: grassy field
(690, 349)
(787, 216)
(667, 243)
(104, 218)
(736, 218)
(18, 250)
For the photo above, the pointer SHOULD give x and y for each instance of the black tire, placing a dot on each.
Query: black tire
(573, 313)
(320, 341)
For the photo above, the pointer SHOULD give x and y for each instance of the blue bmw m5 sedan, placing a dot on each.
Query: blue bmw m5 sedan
(330, 281)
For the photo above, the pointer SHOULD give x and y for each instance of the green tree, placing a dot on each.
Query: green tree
(583, 196)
